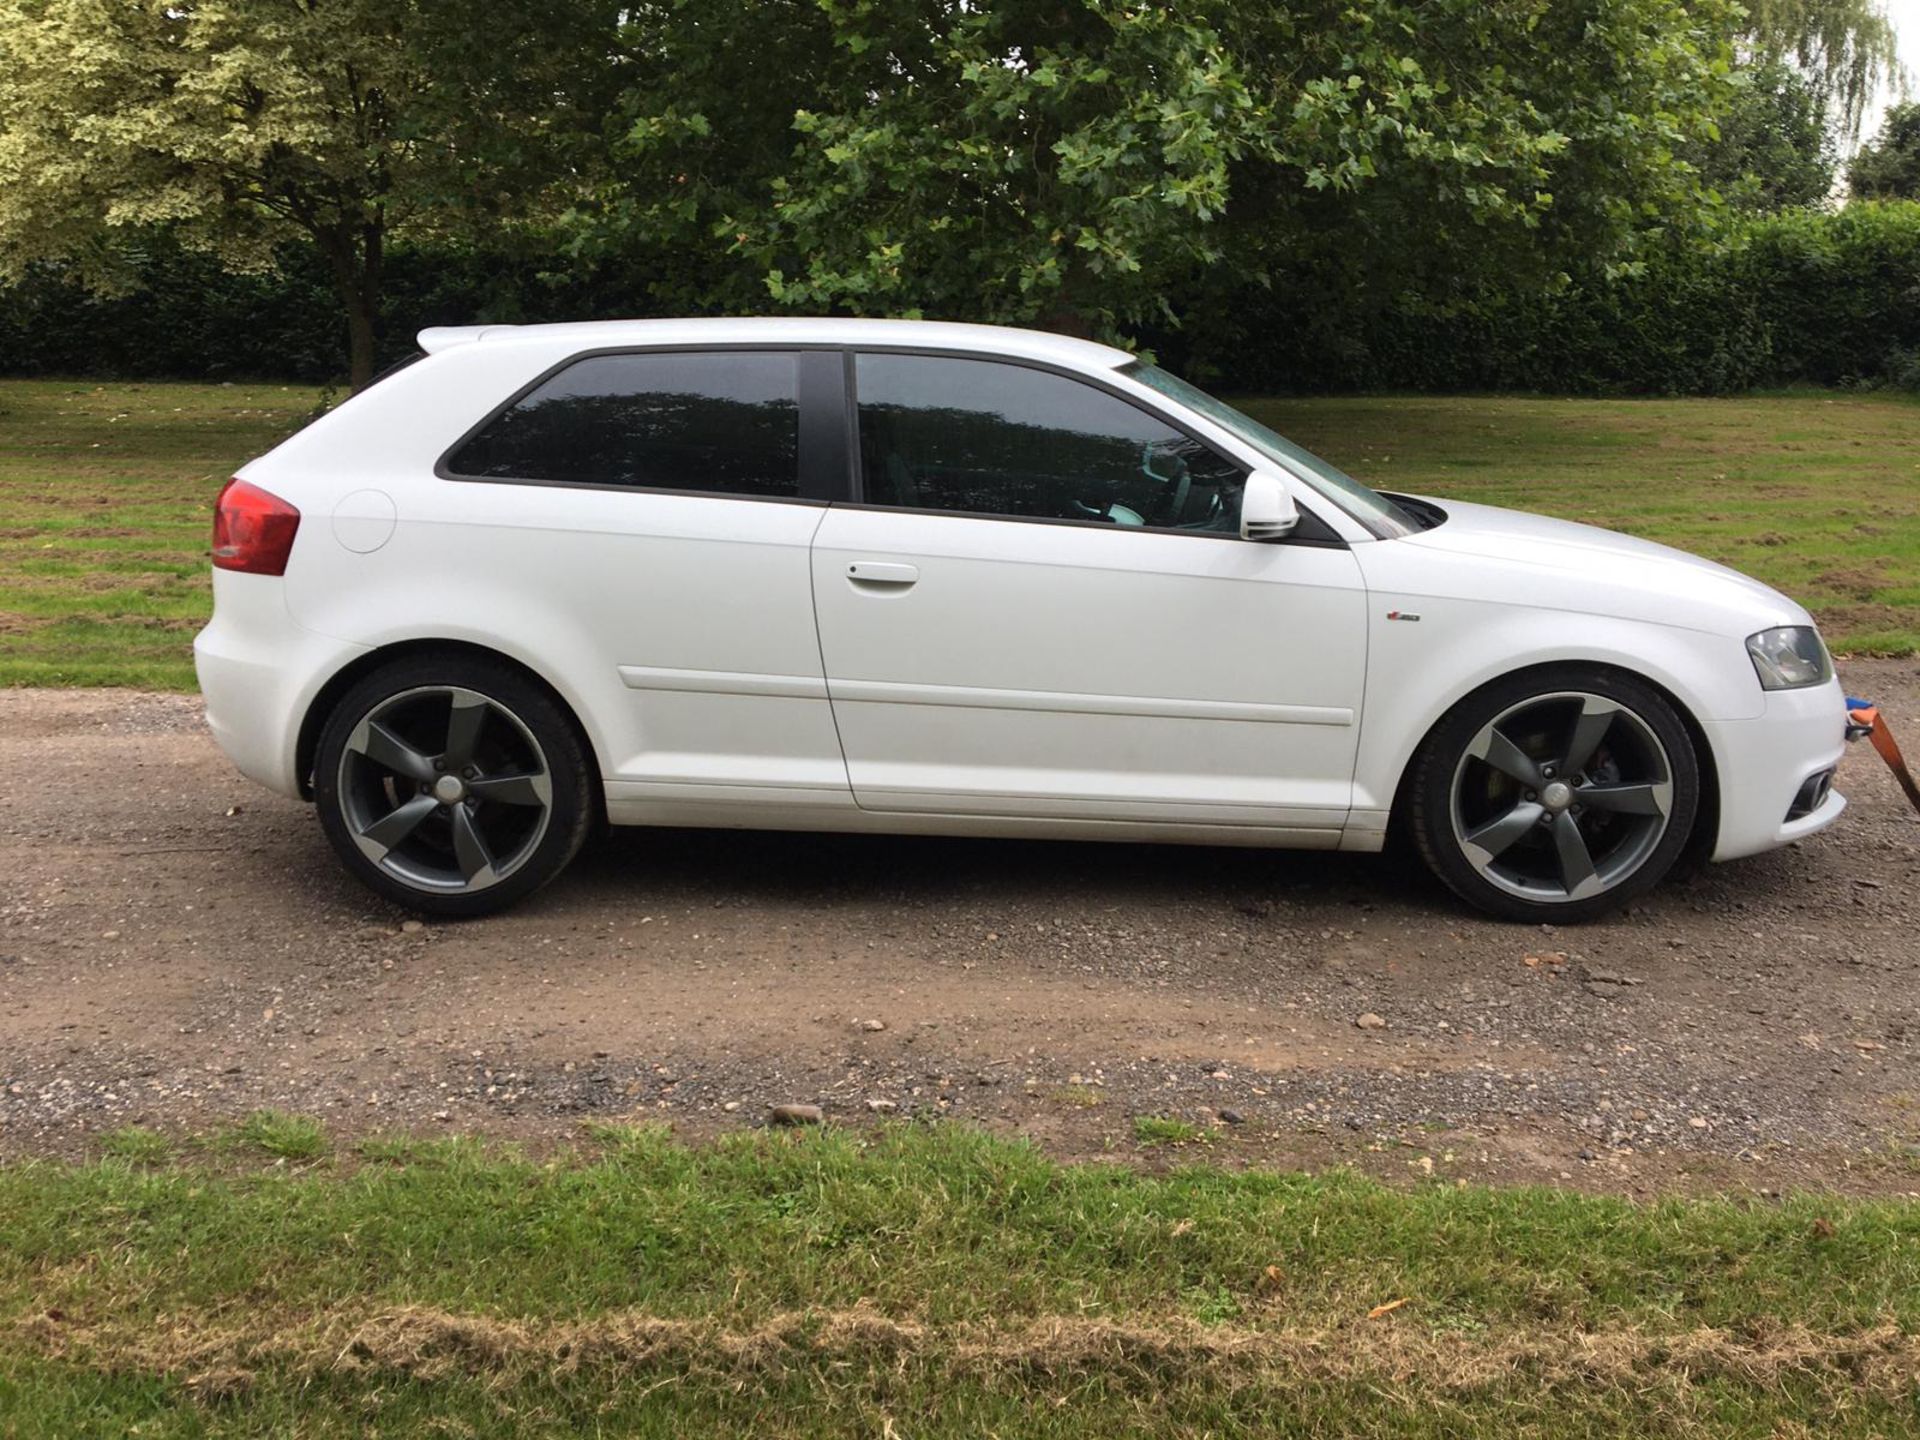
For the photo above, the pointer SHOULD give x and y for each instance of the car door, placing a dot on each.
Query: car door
(1041, 606)
(663, 504)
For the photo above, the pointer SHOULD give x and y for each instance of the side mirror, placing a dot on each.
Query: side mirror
(1267, 511)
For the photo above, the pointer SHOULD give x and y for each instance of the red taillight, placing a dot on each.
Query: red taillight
(252, 530)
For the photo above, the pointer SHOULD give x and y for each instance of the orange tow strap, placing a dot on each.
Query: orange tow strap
(1868, 720)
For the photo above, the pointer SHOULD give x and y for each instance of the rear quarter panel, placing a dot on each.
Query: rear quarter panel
(423, 583)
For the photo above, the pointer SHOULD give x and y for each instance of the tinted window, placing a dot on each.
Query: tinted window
(995, 439)
(1384, 516)
(726, 422)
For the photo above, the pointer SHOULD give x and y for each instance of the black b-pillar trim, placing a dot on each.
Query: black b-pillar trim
(825, 464)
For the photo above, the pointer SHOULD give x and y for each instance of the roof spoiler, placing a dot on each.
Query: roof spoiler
(436, 338)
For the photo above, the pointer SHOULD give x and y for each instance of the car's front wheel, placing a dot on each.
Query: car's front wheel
(451, 784)
(1555, 795)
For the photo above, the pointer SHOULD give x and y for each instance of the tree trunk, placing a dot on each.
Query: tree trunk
(359, 340)
(1063, 316)
(354, 255)
(1063, 319)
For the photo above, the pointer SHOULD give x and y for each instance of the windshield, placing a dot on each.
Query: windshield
(1369, 507)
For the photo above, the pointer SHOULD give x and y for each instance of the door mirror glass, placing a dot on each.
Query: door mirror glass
(1267, 511)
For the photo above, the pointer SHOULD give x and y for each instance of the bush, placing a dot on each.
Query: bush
(1842, 292)
(189, 320)
(1804, 297)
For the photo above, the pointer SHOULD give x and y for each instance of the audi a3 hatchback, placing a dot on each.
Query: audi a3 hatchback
(915, 578)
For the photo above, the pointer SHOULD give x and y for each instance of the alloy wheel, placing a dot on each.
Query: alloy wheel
(445, 789)
(1562, 797)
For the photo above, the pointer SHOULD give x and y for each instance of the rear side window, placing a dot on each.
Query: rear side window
(727, 422)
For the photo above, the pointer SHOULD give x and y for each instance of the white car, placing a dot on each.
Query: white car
(947, 579)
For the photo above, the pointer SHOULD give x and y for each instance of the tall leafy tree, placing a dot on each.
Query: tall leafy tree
(1549, 144)
(1021, 159)
(242, 125)
(1517, 138)
(1776, 148)
(1847, 49)
(1887, 167)
(701, 128)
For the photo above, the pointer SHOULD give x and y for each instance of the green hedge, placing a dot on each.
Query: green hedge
(1802, 297)
(1843, 293)
(189, 320)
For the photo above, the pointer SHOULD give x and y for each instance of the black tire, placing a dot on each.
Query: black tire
(520, 803)
(1469, 785)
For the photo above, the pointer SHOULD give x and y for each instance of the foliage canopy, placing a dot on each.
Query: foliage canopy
(1776, 148)
(1846, 49)
(1071, 163)
(1887, 167)
(238, 124)
(1092, 165)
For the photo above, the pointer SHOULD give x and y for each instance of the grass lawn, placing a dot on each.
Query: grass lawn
(106, 504)
(926, 1281)
(1815, 492)
(106, 494)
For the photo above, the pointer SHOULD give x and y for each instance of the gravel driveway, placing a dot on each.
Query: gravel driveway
(178, 947)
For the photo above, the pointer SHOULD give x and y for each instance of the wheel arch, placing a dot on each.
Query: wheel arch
(1706, 820)
(328, 695)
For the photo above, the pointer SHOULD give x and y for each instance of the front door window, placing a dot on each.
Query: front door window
(983, 437)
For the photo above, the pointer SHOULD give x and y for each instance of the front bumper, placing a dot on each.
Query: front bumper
(259, 673)
(1763, 763)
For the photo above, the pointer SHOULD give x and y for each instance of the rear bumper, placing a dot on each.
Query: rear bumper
(1762, 763)
(259, 673)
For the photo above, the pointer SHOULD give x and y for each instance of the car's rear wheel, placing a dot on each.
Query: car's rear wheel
(453, 785)
(1555, 795)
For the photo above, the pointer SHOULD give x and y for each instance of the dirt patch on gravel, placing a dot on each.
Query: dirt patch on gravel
(178, 947)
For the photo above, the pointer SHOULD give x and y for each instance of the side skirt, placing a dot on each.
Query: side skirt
(768, 813)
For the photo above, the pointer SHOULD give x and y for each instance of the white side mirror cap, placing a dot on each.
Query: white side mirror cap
(1267, 511)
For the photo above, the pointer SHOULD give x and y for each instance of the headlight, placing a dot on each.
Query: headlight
(1789, 658)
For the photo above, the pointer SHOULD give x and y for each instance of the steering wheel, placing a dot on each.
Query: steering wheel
(1181, 479)
(1215, 507)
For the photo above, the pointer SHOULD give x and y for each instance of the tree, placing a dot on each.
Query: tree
(1517, 140)
(702, 126)
(1071, 161)
(1888, 166)
(243, 124)
(1553, 152)
(1775, 149)
(1023, 159)
(1847, 49)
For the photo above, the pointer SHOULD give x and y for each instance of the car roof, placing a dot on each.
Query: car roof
(787, 330)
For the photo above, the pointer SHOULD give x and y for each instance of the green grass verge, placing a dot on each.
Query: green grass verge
(106, 494)
(106, 502)
(1815, 492)
(922, 1282)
